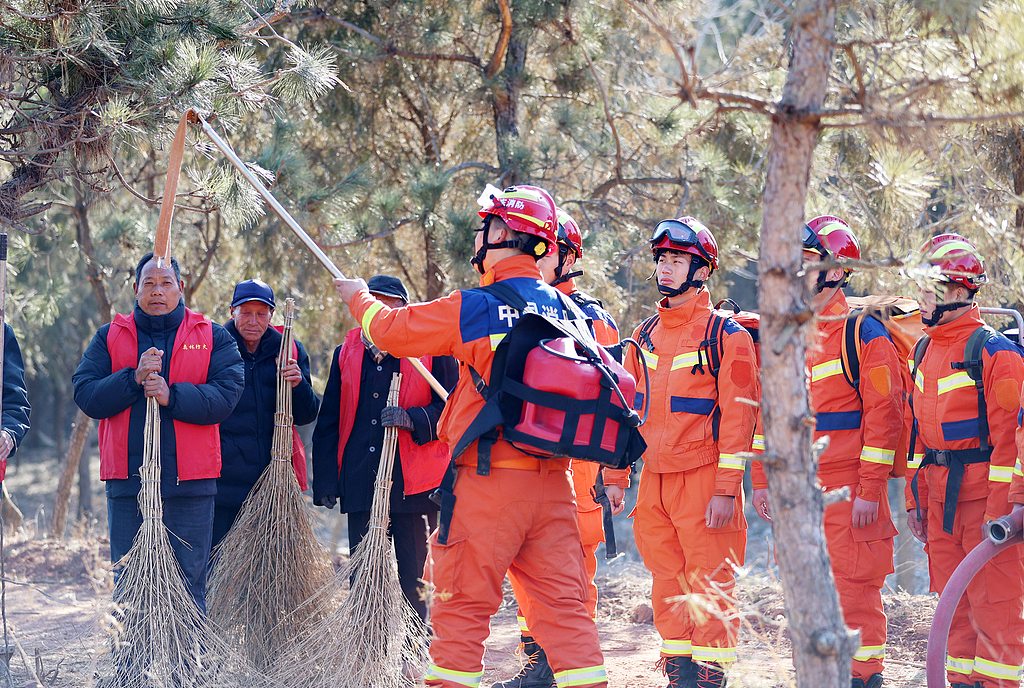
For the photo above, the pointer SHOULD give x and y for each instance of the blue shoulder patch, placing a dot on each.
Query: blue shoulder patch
(1000, 342)
(473, 320)
(730, 326)
(871, 328)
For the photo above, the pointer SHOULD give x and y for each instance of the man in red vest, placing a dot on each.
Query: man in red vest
(349, 436)
(247, 434)
(193, 369)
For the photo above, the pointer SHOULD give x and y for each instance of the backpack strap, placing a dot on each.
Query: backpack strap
(919, 350)
(973, 364)
(582, 300)
(714, 344)
(644, 336)
(850, 349)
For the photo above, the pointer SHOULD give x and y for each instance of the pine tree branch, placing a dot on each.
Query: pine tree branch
(281, 9)
(604, 99)
(372, 237)
(686, 81)
(503, 39)
(151, 201)
(471, 165)
(612, 183)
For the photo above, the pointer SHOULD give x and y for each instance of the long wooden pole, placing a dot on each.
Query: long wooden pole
(280, 211)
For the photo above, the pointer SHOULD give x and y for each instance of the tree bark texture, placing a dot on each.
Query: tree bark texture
(822, 646)
(1017, 161)
(505, 101)
(68, 475)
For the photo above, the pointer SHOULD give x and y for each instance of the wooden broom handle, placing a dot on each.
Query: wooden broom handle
(315, 249)
(162, 245)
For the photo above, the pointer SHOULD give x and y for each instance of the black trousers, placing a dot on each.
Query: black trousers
(409, 533)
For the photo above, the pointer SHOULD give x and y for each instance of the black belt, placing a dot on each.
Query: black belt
(954, 460)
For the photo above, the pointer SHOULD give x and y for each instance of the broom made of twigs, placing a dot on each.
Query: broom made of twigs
(374, 639)
(160, 636)
(270, 562)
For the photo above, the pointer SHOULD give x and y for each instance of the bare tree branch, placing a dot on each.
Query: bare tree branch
(503, 38)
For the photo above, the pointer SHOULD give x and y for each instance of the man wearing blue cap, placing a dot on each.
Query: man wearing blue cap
(247, 434)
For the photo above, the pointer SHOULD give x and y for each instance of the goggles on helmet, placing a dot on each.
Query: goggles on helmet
(811, 242)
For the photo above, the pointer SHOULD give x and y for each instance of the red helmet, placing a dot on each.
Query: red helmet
(834, 236)
(686, 235)
(569, 234)
(957, 259)
(526, 209)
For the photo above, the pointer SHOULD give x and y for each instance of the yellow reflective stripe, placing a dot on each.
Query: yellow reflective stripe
(919, 381)
(758, 443)
(1010, 672)
(955, 381)
(651, 359)
(826, 369)
(581, 677)
(719, 655)
(364, 322)
(463, 678)
(688, 360)
(915, 461)
(1017, 470)
(1000, 474)
(868, 652)
(731, 461)
(676, 648)
(522, 625)
(876, 455)
(959, 665)
(496, 340)
(959, 246)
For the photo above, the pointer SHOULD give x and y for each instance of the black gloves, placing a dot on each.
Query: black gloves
(328, 501)
(396, 417)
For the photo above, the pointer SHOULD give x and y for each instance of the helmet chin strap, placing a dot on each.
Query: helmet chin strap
(690, 282)
(478, 260)
(940, 310)
(559, 277)
(821, 284)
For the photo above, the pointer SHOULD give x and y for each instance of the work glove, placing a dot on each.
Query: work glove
(328, 501)
(396, 417)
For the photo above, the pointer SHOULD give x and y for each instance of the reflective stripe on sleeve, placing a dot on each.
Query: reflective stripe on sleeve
(367, 318)
(914, 462)
(581, 677)
(463, 678)
(676, 648)
(731, 461)
(826, 369)
(999, 474)
(758, 443)
(959, 665)
(876, 455)
(496, 340)
(1017, 470)
(986, 667)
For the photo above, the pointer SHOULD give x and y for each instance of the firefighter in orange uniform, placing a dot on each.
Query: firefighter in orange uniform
(689, 524)
(863, 424)
(508, 511)
(556, 270)
(963, 464)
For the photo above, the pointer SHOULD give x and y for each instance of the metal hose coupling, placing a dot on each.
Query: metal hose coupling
(1005, 527)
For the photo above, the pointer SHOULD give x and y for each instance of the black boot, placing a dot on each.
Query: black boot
(874, 681)
(710, 675)
(681, 672)
(535, 673)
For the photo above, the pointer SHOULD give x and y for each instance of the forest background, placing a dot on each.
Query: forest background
(377, 124)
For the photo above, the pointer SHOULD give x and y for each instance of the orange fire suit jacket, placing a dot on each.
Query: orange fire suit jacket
(468, 325)
(863, 428)
(696, 419)
(945, 405)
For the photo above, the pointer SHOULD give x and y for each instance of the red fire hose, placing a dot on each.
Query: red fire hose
(1001, 533)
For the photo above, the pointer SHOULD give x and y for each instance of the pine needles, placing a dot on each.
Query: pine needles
(270, 563)
(374, 639)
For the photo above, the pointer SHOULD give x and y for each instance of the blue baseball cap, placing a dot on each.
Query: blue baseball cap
(253, 290)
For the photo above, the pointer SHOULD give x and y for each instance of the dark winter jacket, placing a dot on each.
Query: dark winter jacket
(16, 408)
(247, 434)
(102, 394)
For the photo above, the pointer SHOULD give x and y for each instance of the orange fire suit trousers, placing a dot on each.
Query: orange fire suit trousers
(683, 555)
(986, 638)
(592, 532)
(522, 522)
(859, 566)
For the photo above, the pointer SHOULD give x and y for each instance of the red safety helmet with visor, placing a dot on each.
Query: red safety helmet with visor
(957, 259)
(526, 209)
(570, 240)
(686, 235)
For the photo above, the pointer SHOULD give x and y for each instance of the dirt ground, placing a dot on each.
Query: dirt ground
(57, 594)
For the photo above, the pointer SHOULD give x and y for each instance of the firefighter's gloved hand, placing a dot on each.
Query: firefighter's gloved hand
(396, 417)
(328, 501)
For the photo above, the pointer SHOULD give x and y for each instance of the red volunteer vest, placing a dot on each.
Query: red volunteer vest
(197, 446)
(298, 449)
(423, 466)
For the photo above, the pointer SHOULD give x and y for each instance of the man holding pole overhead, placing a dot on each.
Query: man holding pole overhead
(192, 367)
(507, 509)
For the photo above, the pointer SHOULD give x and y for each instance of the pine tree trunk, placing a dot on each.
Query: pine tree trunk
(505, 100)
(67, 476)
(822, 646)
(1017, 162)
